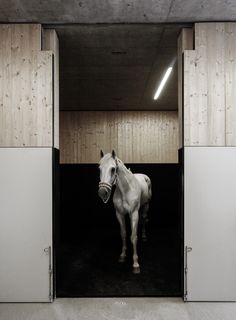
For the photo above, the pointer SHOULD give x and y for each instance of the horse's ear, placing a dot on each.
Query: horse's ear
(113, 154)
(101, 153)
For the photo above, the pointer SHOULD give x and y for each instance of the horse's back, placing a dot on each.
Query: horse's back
(146, 187)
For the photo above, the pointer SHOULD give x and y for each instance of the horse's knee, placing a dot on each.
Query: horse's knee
(134, 238)
(123, 234)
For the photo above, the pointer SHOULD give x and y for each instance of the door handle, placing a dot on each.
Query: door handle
(48, 252)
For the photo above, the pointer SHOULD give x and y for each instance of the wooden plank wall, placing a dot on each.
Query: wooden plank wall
(25, 87)
(210, 87)
(230, 83)
(50, 42)
(185, 42)
(137, 137)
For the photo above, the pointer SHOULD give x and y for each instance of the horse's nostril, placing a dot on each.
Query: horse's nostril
(102, 192)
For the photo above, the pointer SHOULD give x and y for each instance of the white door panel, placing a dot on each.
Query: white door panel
(210, 222)
(25, 223)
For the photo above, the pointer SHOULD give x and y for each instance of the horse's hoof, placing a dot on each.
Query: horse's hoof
(136, 270)
(121, 259)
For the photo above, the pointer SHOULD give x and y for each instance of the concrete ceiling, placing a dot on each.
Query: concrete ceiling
(116, 11)
(117, 67)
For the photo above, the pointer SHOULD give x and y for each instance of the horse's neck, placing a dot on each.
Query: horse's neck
(124, 178)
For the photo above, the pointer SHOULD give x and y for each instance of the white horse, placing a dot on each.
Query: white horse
(132, 195)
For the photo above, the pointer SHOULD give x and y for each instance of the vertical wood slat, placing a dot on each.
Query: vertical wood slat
(189, 94)
(25, 93)
(51, 42)
(185, 42)
(138, 137)
(200, 124)
(216, 88)
(230, 83)
(6, 84)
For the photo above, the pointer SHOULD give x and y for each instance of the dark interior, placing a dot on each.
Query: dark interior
(116, 67)
(89, 241)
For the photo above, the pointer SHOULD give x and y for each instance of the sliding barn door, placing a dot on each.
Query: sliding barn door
(210, 223)
(26, 224)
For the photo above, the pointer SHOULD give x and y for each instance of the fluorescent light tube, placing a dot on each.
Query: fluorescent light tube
(163, 82)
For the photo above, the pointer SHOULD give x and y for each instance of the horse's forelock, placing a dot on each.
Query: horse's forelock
(106, 157)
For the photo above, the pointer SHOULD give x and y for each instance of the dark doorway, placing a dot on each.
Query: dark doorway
(115, 68)
(89, 241)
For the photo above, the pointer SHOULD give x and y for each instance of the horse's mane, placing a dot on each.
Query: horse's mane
(123, 165)
(108, 156)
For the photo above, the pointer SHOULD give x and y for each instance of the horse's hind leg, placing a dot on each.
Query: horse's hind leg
(134, 239)
(144, 216)
(121, 219)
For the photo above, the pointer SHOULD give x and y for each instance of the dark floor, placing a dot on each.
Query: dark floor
(92, 269)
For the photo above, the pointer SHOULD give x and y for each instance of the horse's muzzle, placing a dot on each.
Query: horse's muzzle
(104, 193)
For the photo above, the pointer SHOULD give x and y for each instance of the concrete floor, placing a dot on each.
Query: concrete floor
(117, 309)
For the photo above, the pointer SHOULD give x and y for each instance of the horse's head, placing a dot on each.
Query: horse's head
(108, 171)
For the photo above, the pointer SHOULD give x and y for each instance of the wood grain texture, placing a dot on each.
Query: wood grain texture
(190, 91)
(216, 87)
(25, 87)
(185, 42)
(137, 137)
(51, 42)
(210, 86)
(230, 83)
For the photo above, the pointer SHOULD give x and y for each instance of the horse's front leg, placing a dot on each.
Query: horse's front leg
(134, 239)
(121, 219)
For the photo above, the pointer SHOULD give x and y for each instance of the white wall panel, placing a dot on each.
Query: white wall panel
(210, 222)
(25, 224)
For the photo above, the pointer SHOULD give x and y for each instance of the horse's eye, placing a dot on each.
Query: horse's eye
(112, 170)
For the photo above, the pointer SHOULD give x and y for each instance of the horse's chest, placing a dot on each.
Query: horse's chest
(119, 203)
(122, 204)
(126, 206)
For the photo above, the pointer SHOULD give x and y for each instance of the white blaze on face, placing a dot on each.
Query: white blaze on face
(107, 169)
(107, 176)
